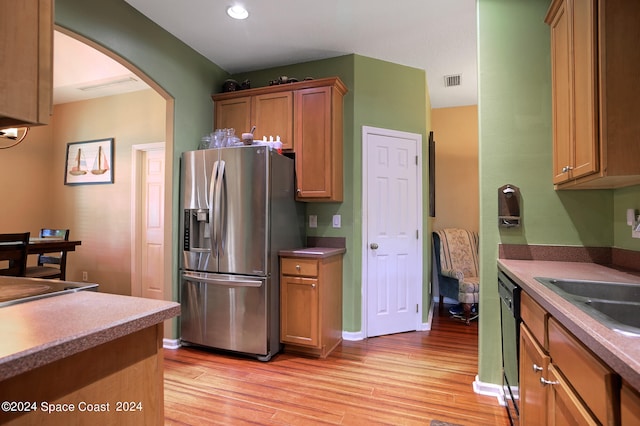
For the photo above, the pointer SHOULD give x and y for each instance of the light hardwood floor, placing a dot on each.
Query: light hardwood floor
(403, 379)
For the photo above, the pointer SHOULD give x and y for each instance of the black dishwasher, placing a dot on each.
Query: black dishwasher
(510, 328)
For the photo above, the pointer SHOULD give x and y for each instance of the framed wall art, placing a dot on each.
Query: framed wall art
(89, 162)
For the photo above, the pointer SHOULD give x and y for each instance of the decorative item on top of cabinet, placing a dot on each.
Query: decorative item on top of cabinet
(311, 302)
(26, 77)
(308, 117)
(595, 89)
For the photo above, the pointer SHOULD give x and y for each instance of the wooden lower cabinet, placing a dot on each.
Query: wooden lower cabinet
(311, 304)
(561, 381)
(565, 406)
(534, 363)
(119, 382)
(629, 406)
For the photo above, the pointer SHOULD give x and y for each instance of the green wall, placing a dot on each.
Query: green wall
(381, 94)
(186, 75)
(515, 144)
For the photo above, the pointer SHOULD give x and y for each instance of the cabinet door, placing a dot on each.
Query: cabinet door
(562, 91)
(272, 114)
(313, 146)
(533, 393)
(299, 321)
(585, 154)
(629, 406)
(26, 76)
(565, 407)
(233, 114)
(574, 89)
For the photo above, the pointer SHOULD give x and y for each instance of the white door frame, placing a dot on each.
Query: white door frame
(366, 131)
(137, 152)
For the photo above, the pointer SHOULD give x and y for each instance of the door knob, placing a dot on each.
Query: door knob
(373, 246)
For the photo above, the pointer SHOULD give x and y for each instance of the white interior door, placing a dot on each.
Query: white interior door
(392, 259)
(148, 222)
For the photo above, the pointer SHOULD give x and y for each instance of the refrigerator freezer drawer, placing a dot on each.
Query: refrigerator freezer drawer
(225, 312)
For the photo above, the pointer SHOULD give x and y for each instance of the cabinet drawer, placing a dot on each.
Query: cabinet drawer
(592, 380)
(299, 267)
(535, 317)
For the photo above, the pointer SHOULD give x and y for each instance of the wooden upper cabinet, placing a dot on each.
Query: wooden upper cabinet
(26, 74)
(272, 114)
(594, 93)
(308, 117)
(234, 114)
(318, 144)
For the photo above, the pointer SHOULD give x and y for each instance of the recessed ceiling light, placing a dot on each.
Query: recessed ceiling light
(237, 12)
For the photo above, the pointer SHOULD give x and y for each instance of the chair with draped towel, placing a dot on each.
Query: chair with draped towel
(13, 254)
(457, 267)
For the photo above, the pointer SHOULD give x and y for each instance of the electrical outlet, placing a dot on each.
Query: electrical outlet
(313, 221)
(336, 221)
(85, 276)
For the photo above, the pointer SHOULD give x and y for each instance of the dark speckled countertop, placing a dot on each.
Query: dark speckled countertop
(317, 252)
(620, 352)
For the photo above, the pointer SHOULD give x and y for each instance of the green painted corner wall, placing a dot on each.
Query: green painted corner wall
(186, 76)
(515, 143)
(381, 94)
(189, 79)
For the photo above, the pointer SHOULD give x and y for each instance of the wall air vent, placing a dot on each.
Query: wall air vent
(452, 80)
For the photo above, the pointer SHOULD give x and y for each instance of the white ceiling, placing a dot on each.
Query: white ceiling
(80, 72)
(438, 36)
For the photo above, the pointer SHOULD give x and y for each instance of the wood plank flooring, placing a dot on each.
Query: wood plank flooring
(403, 379)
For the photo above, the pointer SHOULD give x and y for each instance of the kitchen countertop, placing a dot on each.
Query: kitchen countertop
(314, 252)
(620, 352)
(43, 331)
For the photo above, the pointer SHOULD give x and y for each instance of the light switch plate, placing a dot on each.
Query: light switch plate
(336, 221)
(313, 221)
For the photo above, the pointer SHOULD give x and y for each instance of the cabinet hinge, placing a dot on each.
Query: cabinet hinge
(417, 308)
(417, 235)
(416, 160)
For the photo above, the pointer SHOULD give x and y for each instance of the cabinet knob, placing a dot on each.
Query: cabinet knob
(298, 268)
(547, 382)
(313, 286)
(566, 169)
(536, 368)
(298, 191)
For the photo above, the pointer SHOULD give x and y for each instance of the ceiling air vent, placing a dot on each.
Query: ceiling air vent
(452, 80)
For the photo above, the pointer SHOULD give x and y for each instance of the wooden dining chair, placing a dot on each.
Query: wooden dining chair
(13, 254)
(50, 265)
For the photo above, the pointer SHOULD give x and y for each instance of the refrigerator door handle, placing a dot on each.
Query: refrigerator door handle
(221, 281)
(220, 212)
(212, 218)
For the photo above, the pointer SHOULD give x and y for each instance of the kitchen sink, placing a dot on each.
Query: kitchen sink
(614, 304)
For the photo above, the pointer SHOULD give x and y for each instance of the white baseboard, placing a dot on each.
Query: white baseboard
(352, 335)
(489, 389)
(426, 326)
(171, 343)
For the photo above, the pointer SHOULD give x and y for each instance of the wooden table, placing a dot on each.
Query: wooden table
(50, 245)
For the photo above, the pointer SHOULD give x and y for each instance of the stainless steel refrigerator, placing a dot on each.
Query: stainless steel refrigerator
(238, 210)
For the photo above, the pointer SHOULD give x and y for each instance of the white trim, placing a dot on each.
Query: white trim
(489, 389)
(353, 336)
(366, 131)
(171, 343)
(426, 326)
